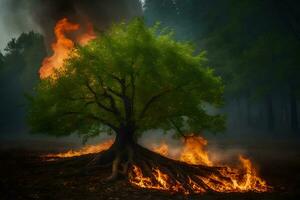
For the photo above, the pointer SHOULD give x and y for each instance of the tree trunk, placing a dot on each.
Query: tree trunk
(123, 149)
(124, 138)
(294, 109)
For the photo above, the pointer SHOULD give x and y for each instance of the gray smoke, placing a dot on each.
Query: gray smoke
(41, 15)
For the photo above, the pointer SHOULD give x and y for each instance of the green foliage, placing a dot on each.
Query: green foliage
(131, 76)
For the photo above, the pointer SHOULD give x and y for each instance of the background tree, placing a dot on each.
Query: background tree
(19, 66)
(252, 45)
(130, 80)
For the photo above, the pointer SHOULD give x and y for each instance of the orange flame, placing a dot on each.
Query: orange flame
(238, 180)
(194, 153)
(162, 149)
(63, 46)
(88, 36)
(161, 181)
(89, 149)
(242, 179)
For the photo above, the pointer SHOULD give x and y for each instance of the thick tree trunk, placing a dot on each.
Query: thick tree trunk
(123, 149)
(124, 138)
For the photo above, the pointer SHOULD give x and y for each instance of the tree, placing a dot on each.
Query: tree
(129, 80)
(18, 73)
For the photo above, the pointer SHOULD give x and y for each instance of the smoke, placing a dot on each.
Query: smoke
(41, 15)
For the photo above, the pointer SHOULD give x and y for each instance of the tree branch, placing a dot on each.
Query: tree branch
(91, 116)
(97, 100)
(151, 101)
(178, 129)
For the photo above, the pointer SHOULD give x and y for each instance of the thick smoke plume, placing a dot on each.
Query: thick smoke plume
(42, 15)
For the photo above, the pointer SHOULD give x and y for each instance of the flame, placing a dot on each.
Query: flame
(162, 149)
(89, 149)
(161, 181)
(194, 153)
(237, 180)
(64, 45)
(241, 179)
(87, 36)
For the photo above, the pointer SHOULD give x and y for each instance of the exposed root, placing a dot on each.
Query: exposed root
(148, 169)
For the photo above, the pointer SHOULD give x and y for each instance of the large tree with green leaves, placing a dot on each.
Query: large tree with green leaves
(129, 80)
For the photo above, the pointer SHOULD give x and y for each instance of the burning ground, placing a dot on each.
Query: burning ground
(243, 178)
(26, 174)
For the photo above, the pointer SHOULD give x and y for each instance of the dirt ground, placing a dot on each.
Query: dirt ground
(25, 175)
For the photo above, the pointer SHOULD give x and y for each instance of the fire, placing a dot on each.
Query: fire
(161, 181)
(162, 149)
(89, 149)
(88, 36)
(240, 179)
(194, 153)
(64, 45)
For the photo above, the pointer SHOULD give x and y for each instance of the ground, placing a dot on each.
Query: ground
(25, 175)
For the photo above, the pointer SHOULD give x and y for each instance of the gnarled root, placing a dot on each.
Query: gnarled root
(148, 169)
(175, 176)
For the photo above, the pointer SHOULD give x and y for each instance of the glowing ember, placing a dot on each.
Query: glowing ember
(89, 149)
(161, 181)
(63, 45)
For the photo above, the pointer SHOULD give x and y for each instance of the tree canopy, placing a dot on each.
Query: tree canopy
(131, 77)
